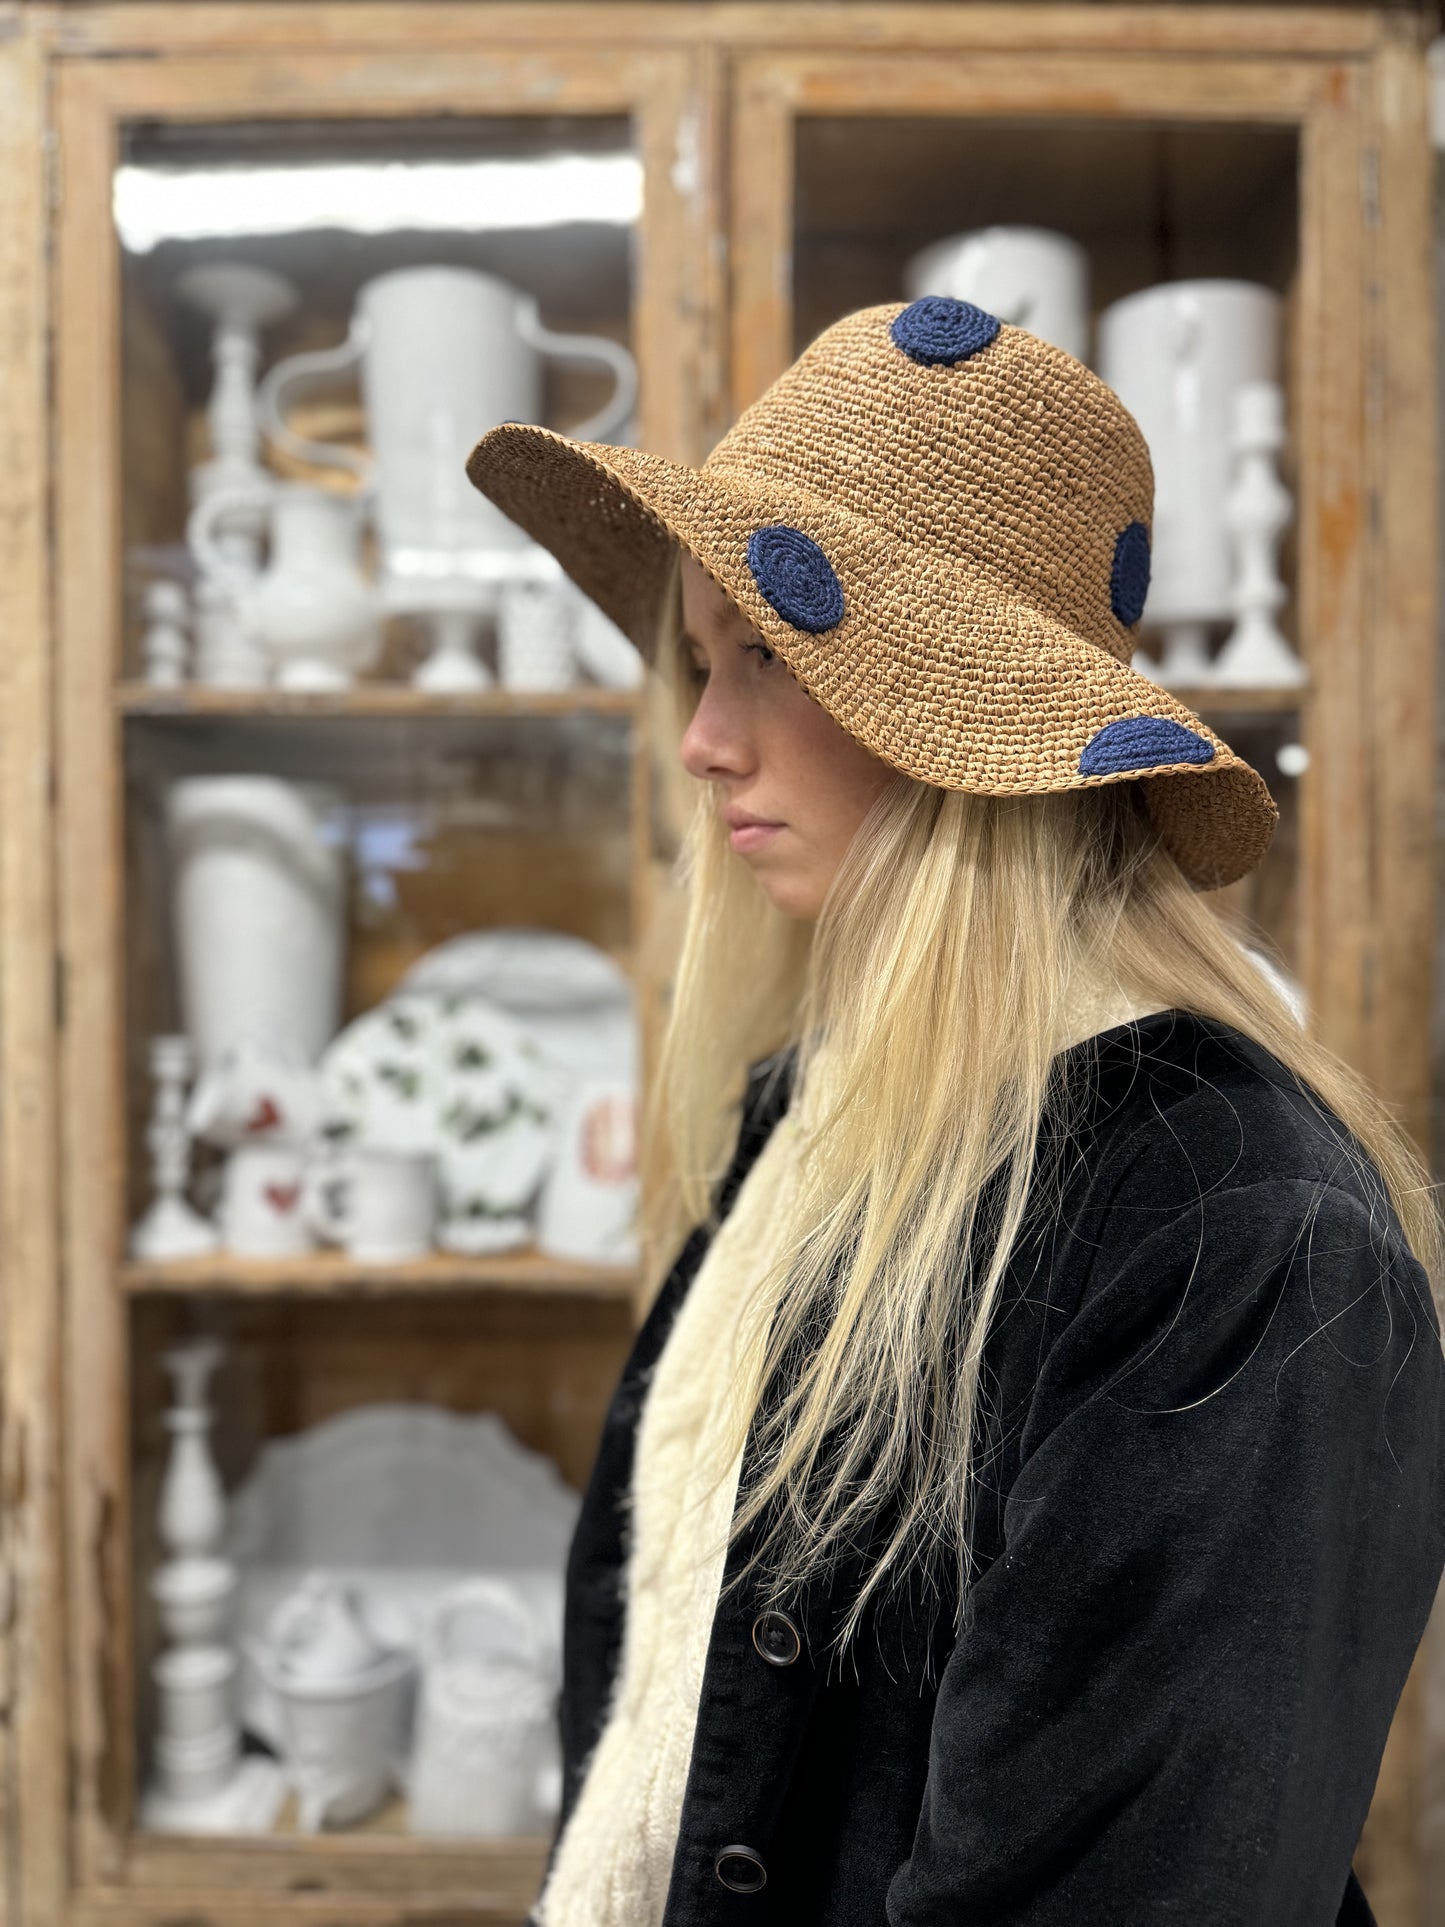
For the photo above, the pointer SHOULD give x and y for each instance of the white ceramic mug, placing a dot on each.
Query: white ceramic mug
(263, 1202)
(380, 1204)
(342, 1737)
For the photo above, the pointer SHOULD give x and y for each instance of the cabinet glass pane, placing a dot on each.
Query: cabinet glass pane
(244, 246)
(1142, 204)
(371, 737)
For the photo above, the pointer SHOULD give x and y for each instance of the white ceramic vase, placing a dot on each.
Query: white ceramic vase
(1175, 354)
(258, 903)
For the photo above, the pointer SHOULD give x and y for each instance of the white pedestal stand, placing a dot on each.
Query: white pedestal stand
(170, 1228)
(203, 1784)
(1256, 654)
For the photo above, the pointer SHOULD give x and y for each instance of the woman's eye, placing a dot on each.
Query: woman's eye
(764, 654)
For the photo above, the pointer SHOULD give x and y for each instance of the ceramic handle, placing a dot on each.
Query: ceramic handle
(214, 508)
(612, 354)
(494, 1596)
(328, 1198)
(309, 370)
(1185, 331)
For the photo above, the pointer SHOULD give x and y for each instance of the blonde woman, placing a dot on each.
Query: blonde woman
(1027, 1491)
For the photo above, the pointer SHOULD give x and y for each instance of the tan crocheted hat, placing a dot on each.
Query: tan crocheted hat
(941, 523)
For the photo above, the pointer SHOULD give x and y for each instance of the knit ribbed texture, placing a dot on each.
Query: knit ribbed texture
(614, 1861)
(981, 534)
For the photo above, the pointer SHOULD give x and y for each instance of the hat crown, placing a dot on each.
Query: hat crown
(1013, 460)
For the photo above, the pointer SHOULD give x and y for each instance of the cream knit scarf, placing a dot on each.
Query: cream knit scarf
(614, 1861)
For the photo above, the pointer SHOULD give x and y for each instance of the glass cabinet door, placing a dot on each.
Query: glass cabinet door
(357, 859)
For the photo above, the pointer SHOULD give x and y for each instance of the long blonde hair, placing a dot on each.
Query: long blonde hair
(948, 962)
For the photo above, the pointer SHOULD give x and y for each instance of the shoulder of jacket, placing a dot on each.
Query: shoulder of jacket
(1192, 1108)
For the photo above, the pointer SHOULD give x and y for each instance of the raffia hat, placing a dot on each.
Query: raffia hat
(941, 523)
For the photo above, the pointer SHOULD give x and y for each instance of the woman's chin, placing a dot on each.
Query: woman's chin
(792, 896)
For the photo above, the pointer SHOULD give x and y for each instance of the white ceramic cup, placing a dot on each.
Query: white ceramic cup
(263, 1202)
(380, 1204)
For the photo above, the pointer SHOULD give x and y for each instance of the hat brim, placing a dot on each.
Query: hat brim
(939, 671)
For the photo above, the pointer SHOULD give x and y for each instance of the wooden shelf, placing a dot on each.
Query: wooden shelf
(370, 699)
(368, 1873)
(326, 1274)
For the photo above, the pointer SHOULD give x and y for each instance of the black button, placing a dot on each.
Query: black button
(741, 1869)
(776, 1638)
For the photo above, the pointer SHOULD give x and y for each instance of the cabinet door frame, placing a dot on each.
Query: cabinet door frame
(664, 89)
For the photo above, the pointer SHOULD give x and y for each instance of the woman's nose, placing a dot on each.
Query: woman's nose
(717, 740)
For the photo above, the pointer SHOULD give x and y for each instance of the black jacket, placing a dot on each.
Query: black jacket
(1210, 1536)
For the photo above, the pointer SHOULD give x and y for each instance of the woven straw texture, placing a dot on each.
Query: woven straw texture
(947, 539)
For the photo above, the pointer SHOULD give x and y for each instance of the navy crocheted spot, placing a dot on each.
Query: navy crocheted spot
(796, 577)
(938, 331)
(1141, 742)
(1129, 578)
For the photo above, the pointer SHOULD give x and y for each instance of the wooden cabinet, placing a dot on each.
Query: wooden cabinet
(790, 160)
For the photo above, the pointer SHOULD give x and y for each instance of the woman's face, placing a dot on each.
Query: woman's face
(772, 751)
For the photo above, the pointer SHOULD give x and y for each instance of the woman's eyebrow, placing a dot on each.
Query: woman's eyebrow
(691, 644)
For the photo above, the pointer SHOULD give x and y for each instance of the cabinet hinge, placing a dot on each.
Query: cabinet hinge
(60, 997)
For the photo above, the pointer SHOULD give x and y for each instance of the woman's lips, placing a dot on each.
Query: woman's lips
(752, 836)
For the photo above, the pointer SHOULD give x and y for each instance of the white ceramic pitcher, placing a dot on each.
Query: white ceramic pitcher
(485, 1762)
(444, 354)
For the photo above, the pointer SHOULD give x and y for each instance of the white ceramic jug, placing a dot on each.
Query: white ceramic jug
(485, 1758)
(313, 614)
(444, 353)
